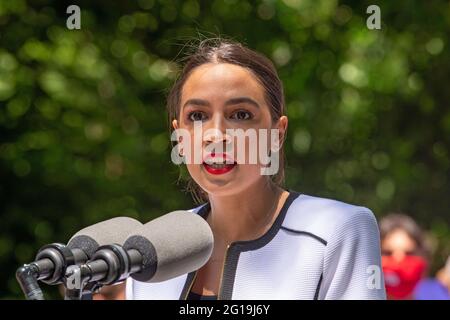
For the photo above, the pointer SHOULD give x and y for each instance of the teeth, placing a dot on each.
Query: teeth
(218, 165)
(218, 162)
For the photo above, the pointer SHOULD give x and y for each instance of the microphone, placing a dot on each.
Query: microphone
(115, 230)
(52, 260)
(166, 247)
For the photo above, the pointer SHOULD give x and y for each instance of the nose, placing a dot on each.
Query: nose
(398, 255)
(215, 131)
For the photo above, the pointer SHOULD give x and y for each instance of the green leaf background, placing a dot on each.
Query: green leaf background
(84, 132)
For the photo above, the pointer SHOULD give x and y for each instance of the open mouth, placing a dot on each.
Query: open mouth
(218, 165)
(219, 168)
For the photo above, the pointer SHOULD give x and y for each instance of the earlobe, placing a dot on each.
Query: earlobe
(175, 128)
(282, 127)
(277, 142)
(283, 124)
(175, 124)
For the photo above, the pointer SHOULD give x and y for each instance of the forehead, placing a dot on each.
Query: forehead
(222, 81)
(399, 239)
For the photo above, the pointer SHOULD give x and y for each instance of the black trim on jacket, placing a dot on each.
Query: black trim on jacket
(235, 249)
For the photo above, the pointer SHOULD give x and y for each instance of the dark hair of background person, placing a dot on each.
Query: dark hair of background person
(399, 221)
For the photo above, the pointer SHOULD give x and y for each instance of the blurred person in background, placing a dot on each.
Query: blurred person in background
(404, 255)
(437, 288)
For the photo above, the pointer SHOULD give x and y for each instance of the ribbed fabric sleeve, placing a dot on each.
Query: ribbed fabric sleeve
(352, 259)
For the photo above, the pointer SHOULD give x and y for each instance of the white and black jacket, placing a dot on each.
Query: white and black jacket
(316, 249)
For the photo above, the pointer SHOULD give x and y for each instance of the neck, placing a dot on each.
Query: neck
(247, 215)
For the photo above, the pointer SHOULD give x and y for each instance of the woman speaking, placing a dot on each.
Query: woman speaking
(227, 113)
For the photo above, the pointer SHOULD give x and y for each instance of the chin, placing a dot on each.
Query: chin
(232, 183)
(226, 188)
(220, 188)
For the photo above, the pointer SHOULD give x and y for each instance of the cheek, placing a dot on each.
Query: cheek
(191, 150)
(194, 172)
(254, 149)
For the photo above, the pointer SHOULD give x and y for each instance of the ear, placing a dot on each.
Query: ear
(175, 127)
(175, 124)
(281, 125)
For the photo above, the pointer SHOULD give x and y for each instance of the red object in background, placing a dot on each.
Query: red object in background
(401, 277)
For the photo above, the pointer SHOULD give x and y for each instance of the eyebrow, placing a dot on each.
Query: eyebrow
(232, 101)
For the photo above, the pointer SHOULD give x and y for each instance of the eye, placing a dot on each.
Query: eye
(196, 116)
(242, 115)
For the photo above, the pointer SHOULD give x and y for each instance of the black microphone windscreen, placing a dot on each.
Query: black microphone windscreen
(115, 230)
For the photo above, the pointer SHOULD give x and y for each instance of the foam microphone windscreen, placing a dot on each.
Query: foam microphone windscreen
(115, 230)
(171, 245)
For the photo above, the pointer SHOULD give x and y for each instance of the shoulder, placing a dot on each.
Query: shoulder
(324, 217)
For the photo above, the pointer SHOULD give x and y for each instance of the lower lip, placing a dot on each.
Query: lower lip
(223, 170)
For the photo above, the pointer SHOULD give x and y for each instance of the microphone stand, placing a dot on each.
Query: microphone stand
(49, 266)
(76, 282)
(110, 264)
(27, 277)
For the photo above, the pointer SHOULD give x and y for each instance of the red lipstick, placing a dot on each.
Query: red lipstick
(218, 163)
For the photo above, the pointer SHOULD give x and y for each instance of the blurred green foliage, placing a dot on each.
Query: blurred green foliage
(84, 132)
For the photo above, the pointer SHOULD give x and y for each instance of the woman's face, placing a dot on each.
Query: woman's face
(398, 244)
(220, 97)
